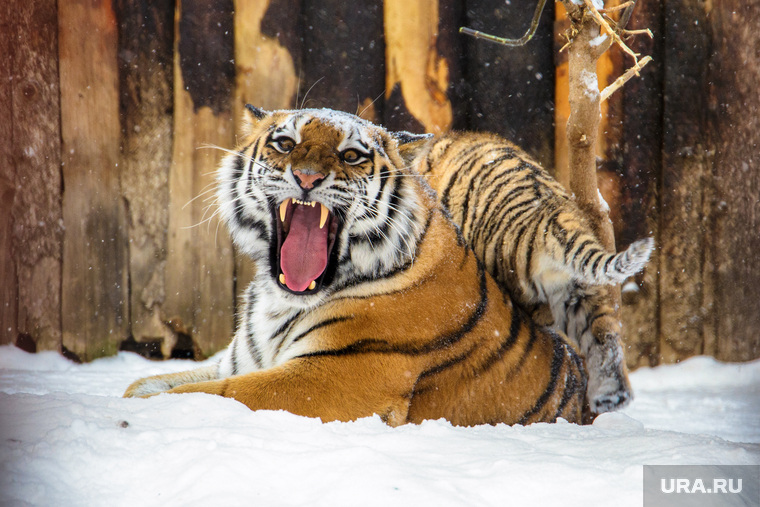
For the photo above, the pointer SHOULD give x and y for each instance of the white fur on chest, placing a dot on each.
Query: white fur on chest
(267, 332)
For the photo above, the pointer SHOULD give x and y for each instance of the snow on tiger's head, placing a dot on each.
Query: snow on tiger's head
(322, 198)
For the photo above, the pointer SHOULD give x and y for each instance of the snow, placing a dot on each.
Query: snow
(590, 84)
(602, 203)
(596, 41)
(68, 438)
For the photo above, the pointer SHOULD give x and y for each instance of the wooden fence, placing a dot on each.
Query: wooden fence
(105, 109)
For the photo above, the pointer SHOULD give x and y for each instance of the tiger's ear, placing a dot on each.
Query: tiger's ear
(410, 145)
(251, 117)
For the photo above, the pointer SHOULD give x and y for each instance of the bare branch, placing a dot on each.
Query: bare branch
(510, 42)
(629, 33)
(626, 16)
(620, 7)
(606, 26)
(633, 71)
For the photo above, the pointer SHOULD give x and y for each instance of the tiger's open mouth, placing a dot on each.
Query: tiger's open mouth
(306, 232)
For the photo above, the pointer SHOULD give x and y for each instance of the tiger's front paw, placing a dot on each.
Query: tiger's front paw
(146, 387)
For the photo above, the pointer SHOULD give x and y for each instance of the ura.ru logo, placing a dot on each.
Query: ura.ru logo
(718, 485)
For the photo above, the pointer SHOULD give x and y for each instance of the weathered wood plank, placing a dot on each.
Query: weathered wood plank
(94, 293)
(267, 50)
(267, 53)
(451, 46)
(641, 169)
(417, 77)
(200, 272)
(146, 43)
(735, 121)
(686, 165)
(512, 88)
(343, 63)
(8, 281)
(31, 189)
(37, 210)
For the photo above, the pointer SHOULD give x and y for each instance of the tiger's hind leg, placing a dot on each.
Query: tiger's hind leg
(587, 315)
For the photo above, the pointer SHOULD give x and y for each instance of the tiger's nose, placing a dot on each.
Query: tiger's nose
(307, 181)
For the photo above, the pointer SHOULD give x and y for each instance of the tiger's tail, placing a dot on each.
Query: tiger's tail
(597, 266)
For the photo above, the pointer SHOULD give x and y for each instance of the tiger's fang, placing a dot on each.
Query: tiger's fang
(323, 215)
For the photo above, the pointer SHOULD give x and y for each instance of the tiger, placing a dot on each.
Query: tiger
(536, 242)
(366, 299)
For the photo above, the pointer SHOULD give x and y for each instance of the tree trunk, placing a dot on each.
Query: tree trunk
(583, 127)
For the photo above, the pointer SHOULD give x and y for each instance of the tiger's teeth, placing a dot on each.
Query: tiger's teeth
(283, 209)
(312, 285)
(323, 215)
(282, 278)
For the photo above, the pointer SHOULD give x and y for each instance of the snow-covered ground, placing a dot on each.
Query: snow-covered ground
(67, 438)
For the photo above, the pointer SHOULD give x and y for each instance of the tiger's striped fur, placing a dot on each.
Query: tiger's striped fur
(403, 322)
(535, 241)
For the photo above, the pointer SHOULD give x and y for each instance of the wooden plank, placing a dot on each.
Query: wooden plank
(267, 50)
(512, 88)
(200, 272)
(94, 301)
(735, 121)
(451, 46)
(343, 64)
(417, 77)
(146, 43)
(8, 281)
(641, 169)
(30, 181)
(686, 164)
(38, 235)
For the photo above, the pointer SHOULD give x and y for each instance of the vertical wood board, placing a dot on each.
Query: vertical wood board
(146, 43)
(512, 88)
(343, 56)
(94, 290)
(37, 205)
(639, 194)
(8, 280)
(417, 77)
(735, 124)
(200, 264)
(686, 170)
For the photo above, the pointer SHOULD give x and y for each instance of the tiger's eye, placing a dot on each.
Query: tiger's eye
(283, 144)
(352, 156)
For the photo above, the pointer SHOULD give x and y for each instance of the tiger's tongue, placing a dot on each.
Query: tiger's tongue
(303, 256)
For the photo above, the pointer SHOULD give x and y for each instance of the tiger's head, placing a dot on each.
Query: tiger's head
(322, 200)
